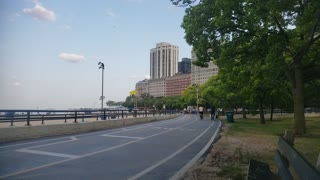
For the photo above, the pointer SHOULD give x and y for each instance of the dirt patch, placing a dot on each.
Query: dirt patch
(229, 157)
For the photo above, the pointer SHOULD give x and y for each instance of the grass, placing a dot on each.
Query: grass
(308, 145)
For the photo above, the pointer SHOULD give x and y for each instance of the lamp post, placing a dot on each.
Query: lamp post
(101, 66)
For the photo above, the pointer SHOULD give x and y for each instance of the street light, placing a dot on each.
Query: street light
(101, 66)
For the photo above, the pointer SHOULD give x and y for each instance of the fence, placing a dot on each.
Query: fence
(12, 116)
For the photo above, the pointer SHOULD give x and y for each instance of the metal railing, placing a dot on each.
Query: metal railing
(11, 116)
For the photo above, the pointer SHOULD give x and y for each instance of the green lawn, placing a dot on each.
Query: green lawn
(308, 145)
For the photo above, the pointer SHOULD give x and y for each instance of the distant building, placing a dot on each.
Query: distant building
(157, 87)
(142, 87)
(184, 66)
(200, 75)
(163, 60)
(177, 83)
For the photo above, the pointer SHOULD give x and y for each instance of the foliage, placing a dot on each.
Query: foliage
(268, 42)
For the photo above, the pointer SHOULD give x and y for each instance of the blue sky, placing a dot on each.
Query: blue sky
(50, 50)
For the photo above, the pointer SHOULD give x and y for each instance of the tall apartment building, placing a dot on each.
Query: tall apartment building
(184, 66)
(200, 75)
(177, 83)
(163, 60)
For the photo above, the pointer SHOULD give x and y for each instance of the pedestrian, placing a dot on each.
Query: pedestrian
(201, 112)
(212, 112)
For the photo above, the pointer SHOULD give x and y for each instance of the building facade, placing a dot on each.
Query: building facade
(142, 87)
(177, 83)
(157, 87)
(163, 60)
(200, 75)
(184, 66)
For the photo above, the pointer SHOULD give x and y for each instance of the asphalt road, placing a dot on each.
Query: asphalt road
(158, 150)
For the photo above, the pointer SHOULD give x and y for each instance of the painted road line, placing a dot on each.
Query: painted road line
(184, 169)
(72, 138)
(142, 173)
(89, 133)
(90, 154)
(47, 153)
(130, 137)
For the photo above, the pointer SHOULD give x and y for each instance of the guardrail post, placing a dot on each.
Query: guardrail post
(28, 118)
(145, 113)
(153, 112)
(122, 114)
(104, 115)
(75, 117)
(42, 119)
(11, 121)
(97, 116)
(65, 118)
(82, 117)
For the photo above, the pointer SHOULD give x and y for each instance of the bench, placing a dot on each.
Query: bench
(288, 157)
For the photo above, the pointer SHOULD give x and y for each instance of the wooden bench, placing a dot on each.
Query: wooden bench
(287, 156)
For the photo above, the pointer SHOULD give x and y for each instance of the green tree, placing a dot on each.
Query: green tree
(286, 32)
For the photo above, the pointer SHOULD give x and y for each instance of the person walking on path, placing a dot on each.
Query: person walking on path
(212, 112)
(201, 112)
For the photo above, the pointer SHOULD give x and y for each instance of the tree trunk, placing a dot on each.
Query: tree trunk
(272, 107)
(244, 113)
(262, 121)
(298, 100)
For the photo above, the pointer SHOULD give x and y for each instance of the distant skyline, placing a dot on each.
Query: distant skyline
(50, 50)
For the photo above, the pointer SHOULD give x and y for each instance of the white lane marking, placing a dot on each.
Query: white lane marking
(60, 142)
(74, 138)
(90, 154)
(47, 153)
(13, 145)
(184, 169)
(142, 173)
(130, 137)
(161, 128)
(179, 118)
(186, 129)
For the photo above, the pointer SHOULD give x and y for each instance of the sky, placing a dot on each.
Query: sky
(49, 50)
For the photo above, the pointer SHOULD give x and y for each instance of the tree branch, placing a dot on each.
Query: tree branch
(280, 28)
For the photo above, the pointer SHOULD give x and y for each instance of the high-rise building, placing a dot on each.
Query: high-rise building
(163, 60)
(177, 83)
(184, 66)
(200, 75)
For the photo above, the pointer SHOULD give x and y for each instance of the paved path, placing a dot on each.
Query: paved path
(158, 150)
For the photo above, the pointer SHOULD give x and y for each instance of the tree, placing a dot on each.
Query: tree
(286, 33)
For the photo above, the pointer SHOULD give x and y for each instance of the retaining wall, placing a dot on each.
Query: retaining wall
(28, 132)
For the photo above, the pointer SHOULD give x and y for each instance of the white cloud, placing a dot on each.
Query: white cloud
(13, 17)
(71, 57)
(40, 12)
(111, 14)
(17, 83)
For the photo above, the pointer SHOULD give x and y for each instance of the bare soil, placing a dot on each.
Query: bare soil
(229, 157)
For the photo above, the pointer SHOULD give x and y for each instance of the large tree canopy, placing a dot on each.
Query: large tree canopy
(281, 36)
